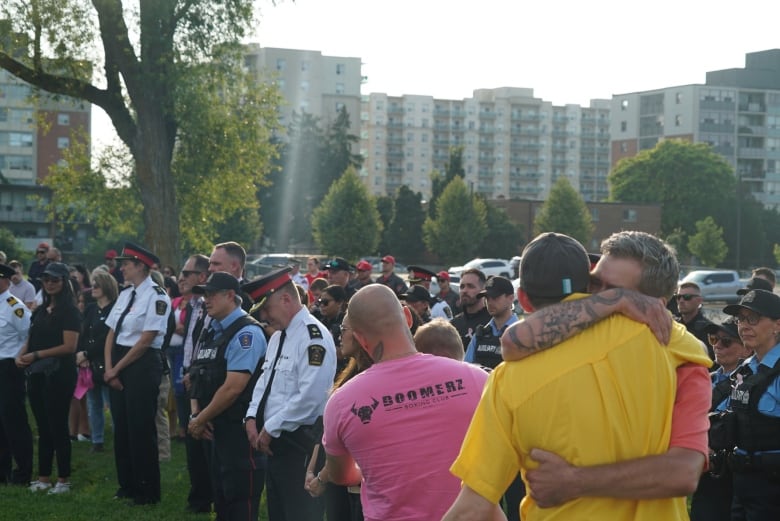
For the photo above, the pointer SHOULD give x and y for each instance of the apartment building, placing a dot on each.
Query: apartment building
(308, 81)
(515, 146)
(737, 111)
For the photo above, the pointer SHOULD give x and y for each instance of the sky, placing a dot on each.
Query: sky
(567, 51)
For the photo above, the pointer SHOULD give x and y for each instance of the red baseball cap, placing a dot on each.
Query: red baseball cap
(43, 246)
(389, 259)
(363, 266)
(443, 275)
(110, 255)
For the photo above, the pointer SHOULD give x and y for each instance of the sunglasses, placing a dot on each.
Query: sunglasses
(725, 341)
(40, 251)
(687, 297)
(324, 301)
(52, 280)
(187, 273)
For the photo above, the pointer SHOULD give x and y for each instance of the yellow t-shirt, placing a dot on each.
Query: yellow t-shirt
(603, 396)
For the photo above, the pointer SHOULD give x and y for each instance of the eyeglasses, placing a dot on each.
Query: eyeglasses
(324, 301)
(51, 280)
(343, 328)
(686, 298)
(751, 319)
(187, 273)
(725, 341)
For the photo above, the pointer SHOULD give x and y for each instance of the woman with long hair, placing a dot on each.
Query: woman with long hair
(48, 358)
(92, 349)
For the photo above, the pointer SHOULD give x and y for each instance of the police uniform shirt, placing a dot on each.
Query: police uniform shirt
(304, 375)
(247, 345)
(441, 309)
(149, 313)
(196, 308)
(14, 325)
(769, 403)
(471, 350)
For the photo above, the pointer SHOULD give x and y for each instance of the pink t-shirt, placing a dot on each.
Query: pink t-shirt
(403, 422)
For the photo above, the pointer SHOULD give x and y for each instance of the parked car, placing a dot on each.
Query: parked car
(717, 284)
(269, 262)
(487, 266)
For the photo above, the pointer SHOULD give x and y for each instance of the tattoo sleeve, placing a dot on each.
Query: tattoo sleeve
(553, 324)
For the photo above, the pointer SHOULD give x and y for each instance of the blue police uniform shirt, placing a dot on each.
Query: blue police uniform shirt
(717, 378)
(471, 351)
(769, 403)
(246, 347)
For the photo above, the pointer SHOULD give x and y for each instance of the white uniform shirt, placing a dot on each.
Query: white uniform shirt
(442, 310)
(304, 375)
(149, 313)
(14, 325)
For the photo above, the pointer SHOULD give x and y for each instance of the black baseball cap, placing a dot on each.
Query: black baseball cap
(337, 264)
(497, 286)
(57, 269)
(763, 302)
(416, 293)
(218, 281)
(554, 265)
(6, 272)
(755, 283)
(728, 326)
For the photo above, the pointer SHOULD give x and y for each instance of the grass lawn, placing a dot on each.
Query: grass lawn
(93, 487)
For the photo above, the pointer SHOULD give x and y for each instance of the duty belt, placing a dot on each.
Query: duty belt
(759, 462)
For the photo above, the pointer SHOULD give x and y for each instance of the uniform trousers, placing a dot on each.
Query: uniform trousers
(15, 434)
(756, 497)
(237, 472)
(50, 397)
(200, 495)
(712, 499)
(287, 499)
(135, 436)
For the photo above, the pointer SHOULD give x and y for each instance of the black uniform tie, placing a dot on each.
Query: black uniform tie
(122, 317)
(260, 416)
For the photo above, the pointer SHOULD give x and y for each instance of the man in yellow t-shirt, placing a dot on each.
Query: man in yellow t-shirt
(609, 401)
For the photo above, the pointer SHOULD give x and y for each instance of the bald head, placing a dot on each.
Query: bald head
(377, 319)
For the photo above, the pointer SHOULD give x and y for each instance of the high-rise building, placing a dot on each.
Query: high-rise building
(515, 146)
(737, 111)
(308, 81)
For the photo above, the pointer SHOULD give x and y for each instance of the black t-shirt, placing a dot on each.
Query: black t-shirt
(46, 329)
(94, 330)
(467, 323)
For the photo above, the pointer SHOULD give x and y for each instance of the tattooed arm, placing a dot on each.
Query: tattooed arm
(554, 324)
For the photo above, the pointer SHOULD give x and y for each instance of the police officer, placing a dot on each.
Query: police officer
(222, 378)
(15, 435)
(422, 277)
(755, 406)
(137, 326)
(419, 299)
(485, 345)
(290, 395)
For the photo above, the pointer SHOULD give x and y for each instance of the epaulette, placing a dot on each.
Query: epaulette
(159, 290)
(314, 331)
(12, 300)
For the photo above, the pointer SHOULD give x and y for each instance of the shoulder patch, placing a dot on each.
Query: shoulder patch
(161, 307)
(159, 290)
(19, 312)
(245, 340)
(314, 332)
(316, 355)
(12, 301)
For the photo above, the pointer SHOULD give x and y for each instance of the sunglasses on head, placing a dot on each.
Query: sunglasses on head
(687, 297)
(725, 341)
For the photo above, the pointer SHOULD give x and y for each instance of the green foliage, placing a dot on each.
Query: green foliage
(565, 211)
(707, 243)
(11, 247)
(679, 239)
(776, 252)
(452, 169)
(503, 238)
(459, 223)
(688, 179)
(386, 206)
(347, 223)
(404, 234)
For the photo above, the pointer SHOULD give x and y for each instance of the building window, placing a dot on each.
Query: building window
(339, 88)
(63, 119)
(304, 85)
(629, 215)
(678, 98)
(304, 65)
(340, 69)
(594, 215)
(623, 148)
(623, 126)
(677, 120)
(63, 142)
(410, 167)
(281, 63)
(339, 106)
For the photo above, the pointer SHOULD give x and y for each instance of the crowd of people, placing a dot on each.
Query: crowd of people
(344, 397)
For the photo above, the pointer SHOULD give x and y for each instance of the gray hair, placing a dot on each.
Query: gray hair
(658, 259)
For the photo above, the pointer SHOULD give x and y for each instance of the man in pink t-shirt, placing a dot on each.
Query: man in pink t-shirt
(397, 427)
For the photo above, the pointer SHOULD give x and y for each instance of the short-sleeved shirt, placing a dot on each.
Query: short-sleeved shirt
(304, 375)
(24, 290)
(769, 402)
(471, 350)
(149, 313)
(47, 330)
(246, 347)
(14, 325)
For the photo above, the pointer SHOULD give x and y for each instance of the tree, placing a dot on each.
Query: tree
(386, 206)
(679, 239)
(565, 211)
(503, 238)
(347, 223)
(453, 168)
(455, 233)
(404, 234)
(776, 252)
(144, 55)
(688, 179)
(10, 246)
(707, 243)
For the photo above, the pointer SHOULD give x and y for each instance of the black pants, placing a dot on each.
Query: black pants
(15, 436)
(50, 397)
(237, 473)
(512, 497)
(200, 496)
(287, 499)
(756, 497)
(135, 434)
(712, 499)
